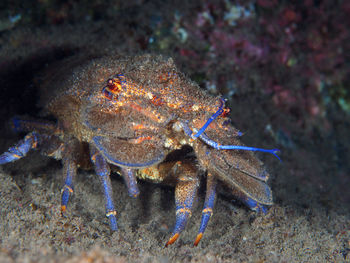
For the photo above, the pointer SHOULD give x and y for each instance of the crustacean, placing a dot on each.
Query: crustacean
(137, 114)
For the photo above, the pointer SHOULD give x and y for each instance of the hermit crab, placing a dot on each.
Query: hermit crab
(139, 115)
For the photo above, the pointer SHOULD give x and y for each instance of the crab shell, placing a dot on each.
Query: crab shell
(132, 112)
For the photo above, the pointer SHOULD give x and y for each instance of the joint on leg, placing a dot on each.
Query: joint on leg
(111, 213)
(208, 211)
(70, 189)
(184, 211)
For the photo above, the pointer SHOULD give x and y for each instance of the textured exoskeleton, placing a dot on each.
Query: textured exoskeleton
(141, 115)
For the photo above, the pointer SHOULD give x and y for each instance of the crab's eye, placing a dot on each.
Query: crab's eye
(113, 87)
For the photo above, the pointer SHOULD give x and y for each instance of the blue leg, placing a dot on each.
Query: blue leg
(185, 193)
(130, 181)
(208, 206)
(70, 170)
(102, 169)
(21, 149)
(23, 125)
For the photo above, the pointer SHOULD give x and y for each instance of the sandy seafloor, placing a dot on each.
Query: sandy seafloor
(310, 221)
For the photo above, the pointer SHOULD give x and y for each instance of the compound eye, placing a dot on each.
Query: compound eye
(114, 87)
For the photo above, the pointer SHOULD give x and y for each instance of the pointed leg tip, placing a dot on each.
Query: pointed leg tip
(172, 239)
(198, 238)
(63, 209)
